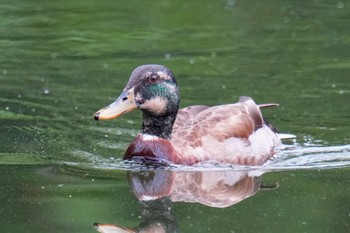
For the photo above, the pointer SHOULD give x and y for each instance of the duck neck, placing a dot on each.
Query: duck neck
(159, 126)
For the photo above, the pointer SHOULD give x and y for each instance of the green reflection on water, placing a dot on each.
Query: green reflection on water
(56, 199)
(62, 61)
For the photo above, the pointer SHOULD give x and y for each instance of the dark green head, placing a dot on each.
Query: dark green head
(155, 90)
(152, 89)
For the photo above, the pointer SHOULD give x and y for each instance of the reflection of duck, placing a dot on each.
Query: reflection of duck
(233, 133)
(157, 217)
(212, 188)
(156, 188)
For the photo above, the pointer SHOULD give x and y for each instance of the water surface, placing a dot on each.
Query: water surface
(62, 61)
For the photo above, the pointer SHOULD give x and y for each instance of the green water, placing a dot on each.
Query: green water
(62, 61)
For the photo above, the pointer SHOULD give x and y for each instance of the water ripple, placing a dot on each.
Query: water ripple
(315, 157)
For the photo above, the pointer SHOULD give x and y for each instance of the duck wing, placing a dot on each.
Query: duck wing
(221, 122)
(186, 116)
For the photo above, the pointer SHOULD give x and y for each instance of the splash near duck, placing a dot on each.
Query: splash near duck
(231, 133)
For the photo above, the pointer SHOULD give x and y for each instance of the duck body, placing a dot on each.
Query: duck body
(231, 133)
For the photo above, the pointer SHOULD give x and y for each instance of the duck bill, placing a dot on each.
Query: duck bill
(123, 104)
(109, 228)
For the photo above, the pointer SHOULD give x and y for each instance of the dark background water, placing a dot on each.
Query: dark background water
(61, 61)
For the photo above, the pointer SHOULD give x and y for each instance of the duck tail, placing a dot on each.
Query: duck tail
(274, 129)
(255, 113)
(268, 105)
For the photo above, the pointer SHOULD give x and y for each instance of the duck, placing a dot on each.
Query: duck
(233, 133)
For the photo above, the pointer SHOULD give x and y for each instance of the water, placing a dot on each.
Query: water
(61, 62)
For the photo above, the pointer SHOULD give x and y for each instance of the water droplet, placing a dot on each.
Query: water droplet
(340, 5)
(334, 85)
(341, 92)
(46, 91)
(70, 195)
(60, 185)
(54, 55)
(106, 136)
(231, 2)
(19, 96)
(224, 87)
(293, 34)
(167, 55)
(7, 108)
(191, 61)
(76, 107)
(33, 109)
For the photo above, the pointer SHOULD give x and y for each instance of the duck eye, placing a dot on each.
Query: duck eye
(153, 78)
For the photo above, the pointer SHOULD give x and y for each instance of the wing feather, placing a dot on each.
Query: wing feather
(221, 122)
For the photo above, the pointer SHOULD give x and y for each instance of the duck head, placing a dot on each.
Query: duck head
(152, 89)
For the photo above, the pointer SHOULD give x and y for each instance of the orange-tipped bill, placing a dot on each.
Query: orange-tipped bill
(123, 104)
(109, 228)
